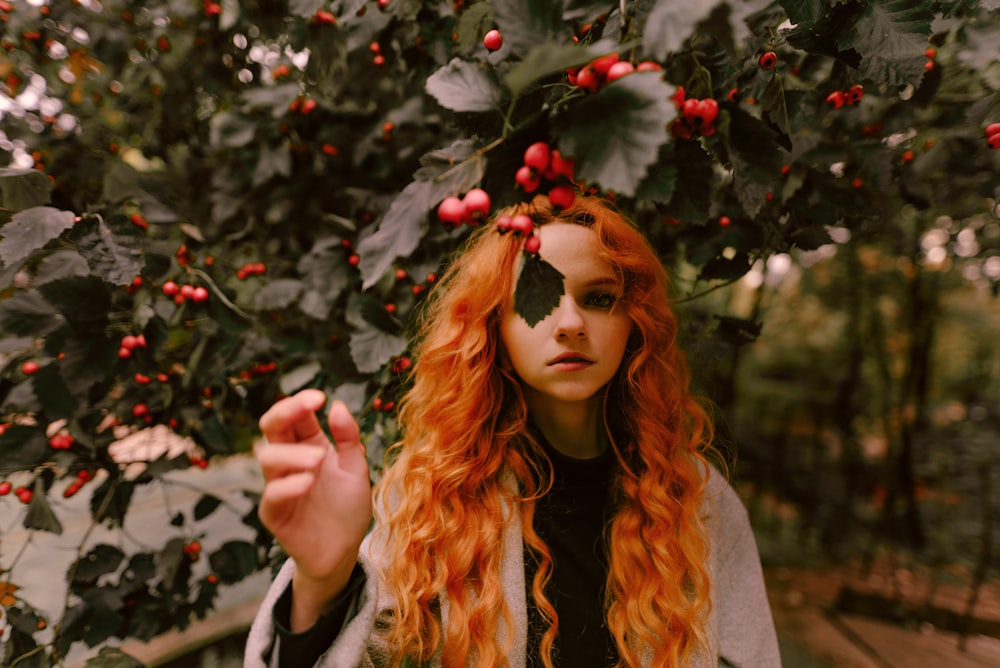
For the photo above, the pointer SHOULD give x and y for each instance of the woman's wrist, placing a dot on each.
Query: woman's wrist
(311, 596)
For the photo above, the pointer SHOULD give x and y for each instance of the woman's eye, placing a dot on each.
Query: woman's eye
(601, 299)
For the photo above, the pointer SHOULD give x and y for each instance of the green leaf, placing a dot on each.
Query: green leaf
(324, 275)
(299, 377)
(669, 24)
(84, 300)
(398, 234)
(22, 189)
(527, 23)
(102, 559)
(30, 230)
(113, 657)
(539, 289)
(472, 24)
(804, 13)
(206, 505)
(63, 263)
(727, 269)
(371, 348)
(660, 182)
(40, 515)
(28, 314)
(114, 254)
(277, 294)
(755, 159)
(234, 561)
(548, 58)
(231, 130)
(89, 359)
(51, 390)
(464, 86)
(23, 447)
(891, 36)
(773, 103)
(616, 134)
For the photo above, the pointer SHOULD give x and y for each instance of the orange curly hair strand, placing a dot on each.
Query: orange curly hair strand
(467, 462)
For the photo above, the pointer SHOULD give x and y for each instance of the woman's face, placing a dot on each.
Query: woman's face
(572, 354)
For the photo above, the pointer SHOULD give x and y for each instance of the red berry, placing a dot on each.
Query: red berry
(708, 111)
(528, 179)
(451, 210)
(560, 166)
(72, 488)
(308, 105)
(537, 156)
(200, 294)
(129, 342)
(330, 149)
(140, 222)
(855, 93)
(725, 221)
(618, 70)
(992, 129)
(212, 578)
(323, 16)
(374, 47)
(29, 367)
(162, 377)
(400, 274)
(562, 196)
(602, 65)
(24, 494)
(378, 60)
(835, 100)
(587, 79)
(431, 277)
(689, 109)
(354, 259)
(477, 204)
(532, 244)
(522, 224)
(140, 409)
(648, 66)
(907, 156)
(504, 223)
(142, 379)
(5, 488)
(929, 65)
(493, 40)
(785, 169)
(930, 52)
(170, 288)
(856, 182)
(768, 60)
(734, 95)
(994, 140)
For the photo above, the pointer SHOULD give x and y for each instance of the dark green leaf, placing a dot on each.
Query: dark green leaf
(669, 24)
(206, 505)
(89, 358)
(114, 254)
(616, 134)
(810, 238)
(28, 314)
(464, 86)
(101, 560)
(299, 377)
(773, 103)
(22, 189)
(83, 300)
(61, 264)
(113, 657)
(756, 161)
(804, 13)
(691, 200)
(51, 390)
(737, 331)
(525, 24)
(661, 179)
(234, 561)
(277, 294)
(40, 515)
(30, 230)
(539, 289)
(472, 24)
(324, 276)
(371, 348)
(548, 58)
(398, 233)
(117, 495)
(24, 447)
(891, 36)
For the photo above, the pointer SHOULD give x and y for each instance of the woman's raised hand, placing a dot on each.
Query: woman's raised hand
(317, 497)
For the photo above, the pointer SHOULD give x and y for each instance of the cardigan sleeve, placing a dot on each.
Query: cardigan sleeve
(743, 626)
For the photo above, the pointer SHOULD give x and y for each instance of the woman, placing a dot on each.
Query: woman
(551, 502)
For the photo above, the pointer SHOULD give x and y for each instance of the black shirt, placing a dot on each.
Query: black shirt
(570, 519)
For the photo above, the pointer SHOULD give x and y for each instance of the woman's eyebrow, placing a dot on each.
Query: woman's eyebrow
(600, 281)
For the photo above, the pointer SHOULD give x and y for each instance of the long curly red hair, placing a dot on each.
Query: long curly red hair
(464, 425)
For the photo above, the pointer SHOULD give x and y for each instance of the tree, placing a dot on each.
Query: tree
(208, 205)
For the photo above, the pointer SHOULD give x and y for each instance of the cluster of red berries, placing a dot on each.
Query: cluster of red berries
(471, 208)
(303, 105)
(696, 116)
(193, 550)
(851, 96)
(377, 58)
(542, 163)
(522, 225)
(379, 404)
(62, 440)
(401, 364)
(250, 269)
(23, 493)
(281, 71)
(931, 54)
(130, 343)
(418, 288)
(83, 476)
(257, 370)
(603, 70)
(993, 135)
(181, 293)
(493, 40)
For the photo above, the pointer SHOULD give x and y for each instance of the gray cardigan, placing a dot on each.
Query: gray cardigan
(740, 628)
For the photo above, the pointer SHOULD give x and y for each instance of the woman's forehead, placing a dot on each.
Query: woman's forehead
(575, 251)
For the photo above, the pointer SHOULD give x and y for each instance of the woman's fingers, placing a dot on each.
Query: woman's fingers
(347, 437)
(293, 419)
(278, 460)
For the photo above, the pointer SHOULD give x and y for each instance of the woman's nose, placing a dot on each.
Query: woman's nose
(569, 319)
